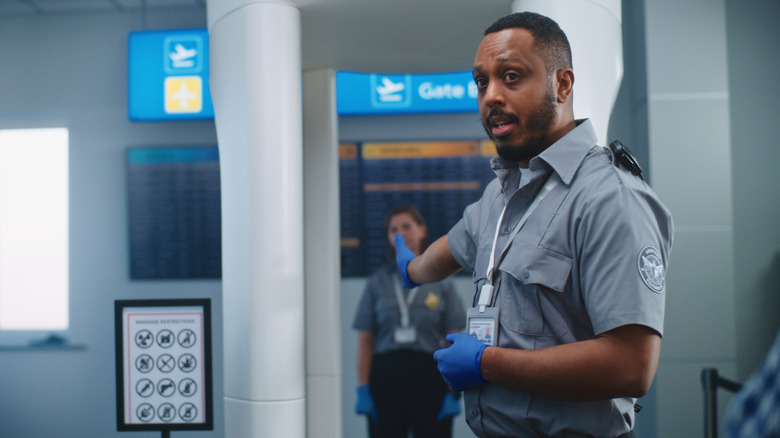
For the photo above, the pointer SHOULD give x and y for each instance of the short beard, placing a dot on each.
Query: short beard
(537, 128)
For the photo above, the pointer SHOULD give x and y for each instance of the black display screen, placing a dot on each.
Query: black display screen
(174, 212)
(175, 216)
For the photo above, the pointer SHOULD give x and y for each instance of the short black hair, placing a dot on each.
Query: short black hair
(550, 41)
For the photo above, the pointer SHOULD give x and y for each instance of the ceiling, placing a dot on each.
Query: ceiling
(52, 7)
(388, 36)
(396, 36)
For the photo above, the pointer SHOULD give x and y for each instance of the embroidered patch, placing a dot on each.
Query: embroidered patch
(651, 268)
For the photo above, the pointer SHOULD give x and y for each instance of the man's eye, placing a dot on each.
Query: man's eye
(481, 82)
(512, 76)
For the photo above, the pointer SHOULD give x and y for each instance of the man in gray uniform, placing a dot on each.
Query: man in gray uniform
(569, 251)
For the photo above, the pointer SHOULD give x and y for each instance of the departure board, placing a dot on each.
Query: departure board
(174, 213)
(439, 178)
(174, 201)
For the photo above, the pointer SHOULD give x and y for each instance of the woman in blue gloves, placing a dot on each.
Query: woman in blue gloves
(400, 389)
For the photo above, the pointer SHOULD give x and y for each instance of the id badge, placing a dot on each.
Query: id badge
(405, 335)
(483, 325)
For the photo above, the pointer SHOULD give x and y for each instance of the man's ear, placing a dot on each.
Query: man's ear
(564, 80)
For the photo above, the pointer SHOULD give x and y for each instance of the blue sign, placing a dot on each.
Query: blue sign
(364, 93)
(168, 75)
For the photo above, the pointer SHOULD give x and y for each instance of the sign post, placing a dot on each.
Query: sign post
(163, 365)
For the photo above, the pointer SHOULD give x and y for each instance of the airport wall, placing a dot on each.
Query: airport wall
(71, 70)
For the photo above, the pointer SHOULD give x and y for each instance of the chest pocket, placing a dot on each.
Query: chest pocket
(426, 310)
(386, 312)
(531, 294)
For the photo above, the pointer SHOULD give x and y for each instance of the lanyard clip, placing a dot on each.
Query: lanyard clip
(485, 294)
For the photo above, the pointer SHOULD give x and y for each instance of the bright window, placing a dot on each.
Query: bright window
(33, 232)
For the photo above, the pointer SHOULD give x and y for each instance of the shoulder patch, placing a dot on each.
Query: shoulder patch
(651, 268)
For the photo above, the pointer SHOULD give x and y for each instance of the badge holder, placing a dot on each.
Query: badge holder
(405, 335)
(482, 321)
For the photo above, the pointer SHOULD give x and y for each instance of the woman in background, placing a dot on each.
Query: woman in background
(400, 389)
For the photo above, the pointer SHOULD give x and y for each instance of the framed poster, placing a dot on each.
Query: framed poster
(163, 365)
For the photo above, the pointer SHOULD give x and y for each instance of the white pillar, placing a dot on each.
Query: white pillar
(256, 88)
(322, 255)
(593, 28)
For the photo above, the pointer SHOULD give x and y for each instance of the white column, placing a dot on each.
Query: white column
(593, 28)
(256, 88)
(322, 255)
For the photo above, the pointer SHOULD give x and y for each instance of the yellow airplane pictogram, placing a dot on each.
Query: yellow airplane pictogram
(183, 94)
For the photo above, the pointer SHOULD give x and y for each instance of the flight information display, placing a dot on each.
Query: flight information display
(174, 212)
(439, 178)
(175, 215)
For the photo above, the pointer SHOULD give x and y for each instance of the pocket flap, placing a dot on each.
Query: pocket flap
(532, 265)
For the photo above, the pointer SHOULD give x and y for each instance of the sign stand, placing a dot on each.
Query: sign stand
(163, 365)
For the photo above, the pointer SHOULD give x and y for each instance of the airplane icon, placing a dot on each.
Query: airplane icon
(388, 89)
(182, 57)
(183, 96)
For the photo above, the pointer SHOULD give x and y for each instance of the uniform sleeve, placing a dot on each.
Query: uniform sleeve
(364, 315)
(461, 245)
(624, 239)
(454, 314)
(464, 237)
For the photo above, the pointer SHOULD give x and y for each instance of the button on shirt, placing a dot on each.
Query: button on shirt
(590, 258)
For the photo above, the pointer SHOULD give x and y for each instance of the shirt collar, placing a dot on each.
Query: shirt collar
(566, 154)
(507, 172)
(564, 157)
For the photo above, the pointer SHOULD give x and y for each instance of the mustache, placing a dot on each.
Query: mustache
(502, 115)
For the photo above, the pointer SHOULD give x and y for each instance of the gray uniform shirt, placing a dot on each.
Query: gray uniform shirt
(435, 310)
(590, 258)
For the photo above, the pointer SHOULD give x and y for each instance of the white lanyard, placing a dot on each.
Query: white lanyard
(403, 306)
(486, 293)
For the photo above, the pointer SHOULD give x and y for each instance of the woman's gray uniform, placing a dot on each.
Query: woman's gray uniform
(407, 388)
(436, 309)
(590, 258)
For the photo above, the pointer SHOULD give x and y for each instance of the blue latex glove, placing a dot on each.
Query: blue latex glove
(459, 363)
(403, 255)
(365, 403)
(450, 407)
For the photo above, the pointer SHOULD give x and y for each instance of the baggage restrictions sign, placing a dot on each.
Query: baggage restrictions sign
(163, 365)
